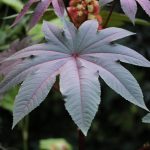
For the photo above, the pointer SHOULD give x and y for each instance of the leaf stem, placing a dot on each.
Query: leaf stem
(81, 139)
(110, 14)
(25, 127)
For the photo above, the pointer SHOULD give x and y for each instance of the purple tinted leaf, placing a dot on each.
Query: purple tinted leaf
(130, 8)
(70, 30)
(17, 45)
(14, 77)
(82, 91)
(85, 52)
(145, 4)
(85, 34)
(36, 50)
(119, 79)
(92, 38)
(34, 90)
(116, 52)
(6, 67)
(19, 73)
(59, 7)
(24, 11)
(56, 36)
(39, 11)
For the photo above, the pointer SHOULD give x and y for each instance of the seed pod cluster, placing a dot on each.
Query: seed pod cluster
(82, 10)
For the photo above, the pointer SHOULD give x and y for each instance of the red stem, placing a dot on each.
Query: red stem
(110, 14)
(81, 140)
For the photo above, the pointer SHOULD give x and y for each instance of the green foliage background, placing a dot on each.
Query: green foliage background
(117, 125)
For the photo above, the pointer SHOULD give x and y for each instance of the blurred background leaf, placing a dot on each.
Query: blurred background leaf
(15, 4)
(8, 99)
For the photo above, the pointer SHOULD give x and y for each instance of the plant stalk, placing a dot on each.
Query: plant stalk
(110, 14)
(81, 139)
(25, 135)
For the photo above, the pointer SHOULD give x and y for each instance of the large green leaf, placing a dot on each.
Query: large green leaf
(15, 4)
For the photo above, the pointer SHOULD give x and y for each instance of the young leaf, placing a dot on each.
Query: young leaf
(59, 7)
(79, 56)
(130, 6)
(39, 11)
(23, 11)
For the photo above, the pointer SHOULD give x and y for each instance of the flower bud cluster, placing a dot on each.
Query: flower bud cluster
(82, 10)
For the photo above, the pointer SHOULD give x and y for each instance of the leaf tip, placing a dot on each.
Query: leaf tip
(84, 132)
(13, 125)
(143, 106)
(146, 118)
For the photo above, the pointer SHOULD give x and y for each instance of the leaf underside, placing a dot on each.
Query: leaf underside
(79, 57)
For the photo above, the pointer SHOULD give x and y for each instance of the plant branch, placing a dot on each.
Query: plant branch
(25, 135)
(81, 139)
(110, 14)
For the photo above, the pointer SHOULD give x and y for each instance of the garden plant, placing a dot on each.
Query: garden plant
(74, 58)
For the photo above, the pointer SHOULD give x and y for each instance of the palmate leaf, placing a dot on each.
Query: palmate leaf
(79, 57)
(130, 7)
